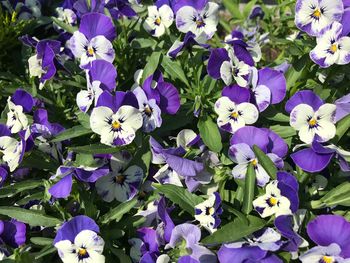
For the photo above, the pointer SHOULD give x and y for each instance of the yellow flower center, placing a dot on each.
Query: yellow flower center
(334, 48)
(317, 13)
(273, 201)
(327, 259)
(254, 162)
(234, 114)
(199, 23)
(91, 51)
(312, 122)
(119, 179)
(116, 125)
(82, 252)
(158, 21)
(148, 111)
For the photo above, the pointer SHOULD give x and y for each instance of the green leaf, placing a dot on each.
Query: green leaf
(210, 134)
(95, 149)
(180, 196)
(265, 162)
(84, 119)
(339, 195)
(64, 26)
(31, 217)
(41, 241)
(19, 187)
(249, 190)
(117, 213)
(233, 7)
(342, 127)
(283, 131)
(235, 230)
(140, 43)
(73, 132)
(143, 156)
(151, 65)
(39, 160)
(248, 8)
(174, 70)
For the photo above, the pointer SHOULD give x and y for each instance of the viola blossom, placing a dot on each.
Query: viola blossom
(116, 118)
(101, 76)
(42, 64)
(343, 107)
(120, 8)
(312, 16)
(11, 149)
(12, 233)
(235, 114)
(256, 248)
(241, 151)
(207, 212)
(331, 233)
(151, 112)
(311, 117)
(197, 17)
(122, 183)
(281, 197)
(185, 238)
(93, 40)
(19, 103)
(66, 15)
(332, 47)
(78, 241)
(187, 138)
(84, 173)
(190, 40)
(158, 20)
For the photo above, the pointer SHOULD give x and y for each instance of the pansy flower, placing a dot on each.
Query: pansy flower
(93, 40)
(331, 233)
(312, 16)
(12, 233)
(66, 15)
(185, 238)
(255, 248)
(343, 107)
(78, 241)
(332, 47)
(116, 118)
(120, 8)
(19, 103)
(207, 212)
(281, 197)
(235, 114)
(190, 40)
(101, 76)
(121, 183)
(241, 151)
(197, 17)
(311, 117)
(158, 20)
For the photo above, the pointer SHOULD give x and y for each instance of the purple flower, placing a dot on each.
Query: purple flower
(101, 76)
(257, 12)
(198, 17)
(166, 226)
(93, 40)
(208, 212)
(77, 240)
(189, 41)
(332, 47)
(312, 16)
(116, 118)
(343, 107)
(186, 238)
(241, 151)
(13, 233)
(331, 233)
(119, 8)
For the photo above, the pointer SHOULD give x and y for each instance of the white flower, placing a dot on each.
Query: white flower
(98, 47)
(185, 137)
(310, 123)
(66, 15)
(116, 128)
(166, 175)
(11, 150)
(234, 69)
(233, 116)
(205, 213)
(87, 247)
(16, 119)
(188, 19)
(35, 66)
(272, 203)
(158, 20)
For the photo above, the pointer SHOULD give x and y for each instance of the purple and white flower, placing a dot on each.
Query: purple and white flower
(197, 17)
(93, 40)
(158, 20)
(116, 118)
(207, 212)
(312, 16)
(78, 241)
(189, 41)
(233, 116)
(66, 15)
(121, 183)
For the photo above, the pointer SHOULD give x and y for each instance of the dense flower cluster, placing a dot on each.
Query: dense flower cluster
(162, 131)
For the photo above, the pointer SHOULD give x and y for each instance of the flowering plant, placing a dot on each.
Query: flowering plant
(190, 131)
